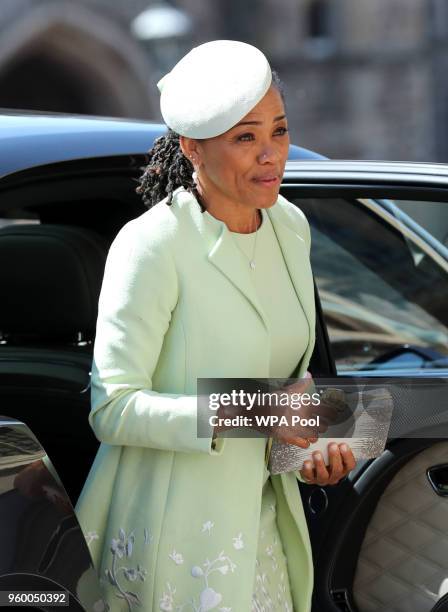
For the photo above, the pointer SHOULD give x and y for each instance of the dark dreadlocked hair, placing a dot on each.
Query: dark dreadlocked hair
(168, 168)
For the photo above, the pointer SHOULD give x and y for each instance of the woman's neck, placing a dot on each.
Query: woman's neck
(238, 218)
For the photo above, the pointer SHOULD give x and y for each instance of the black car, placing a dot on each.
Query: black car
(67, 185)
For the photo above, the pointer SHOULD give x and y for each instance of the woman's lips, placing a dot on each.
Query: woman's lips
(267, 182)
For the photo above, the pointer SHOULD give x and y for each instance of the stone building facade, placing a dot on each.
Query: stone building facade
(363, 79)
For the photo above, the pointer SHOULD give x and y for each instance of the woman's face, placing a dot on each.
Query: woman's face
(244, 166)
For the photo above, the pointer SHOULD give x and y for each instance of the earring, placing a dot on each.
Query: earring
(194, 175)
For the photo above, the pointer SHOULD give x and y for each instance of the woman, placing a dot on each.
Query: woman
(213, 281)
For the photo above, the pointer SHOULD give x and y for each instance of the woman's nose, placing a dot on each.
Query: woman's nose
(267, 154)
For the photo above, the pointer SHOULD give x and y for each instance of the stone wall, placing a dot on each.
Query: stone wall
(364, 79)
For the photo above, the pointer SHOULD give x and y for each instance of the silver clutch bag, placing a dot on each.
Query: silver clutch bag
(282, 457)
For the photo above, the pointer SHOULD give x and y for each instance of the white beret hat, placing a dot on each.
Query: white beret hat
(213, 87)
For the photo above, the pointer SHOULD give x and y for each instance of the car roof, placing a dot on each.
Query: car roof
(30, 139)
(365, 171)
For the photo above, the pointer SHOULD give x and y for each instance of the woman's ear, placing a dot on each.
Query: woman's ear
(183, 145)
(188, 147)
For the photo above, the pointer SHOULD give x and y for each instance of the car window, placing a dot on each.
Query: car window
(383, 290)
(433, 216)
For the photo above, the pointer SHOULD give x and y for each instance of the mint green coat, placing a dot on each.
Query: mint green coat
(172, 522)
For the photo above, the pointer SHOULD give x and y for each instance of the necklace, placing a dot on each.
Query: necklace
(252, 260)
(252, 264)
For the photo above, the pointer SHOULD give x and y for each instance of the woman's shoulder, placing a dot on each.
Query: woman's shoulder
(293, 216)
(157, 226)
(291, 210)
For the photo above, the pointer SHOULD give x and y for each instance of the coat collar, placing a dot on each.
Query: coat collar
(225, 256)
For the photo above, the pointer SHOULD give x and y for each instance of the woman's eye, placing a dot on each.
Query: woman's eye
(245, 137)
(280, 131)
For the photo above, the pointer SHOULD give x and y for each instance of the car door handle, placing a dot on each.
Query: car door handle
(438, 478)
(318, 501)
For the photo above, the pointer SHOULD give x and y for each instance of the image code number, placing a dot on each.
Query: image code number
(27, 598)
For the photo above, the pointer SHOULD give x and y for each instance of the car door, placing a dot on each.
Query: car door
(380, 537)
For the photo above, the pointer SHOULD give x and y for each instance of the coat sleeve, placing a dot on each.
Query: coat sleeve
(138, 294)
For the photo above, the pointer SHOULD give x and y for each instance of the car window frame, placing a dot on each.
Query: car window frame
(303, 181)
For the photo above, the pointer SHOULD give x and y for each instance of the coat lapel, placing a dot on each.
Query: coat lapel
(295, 254)
(228, 259)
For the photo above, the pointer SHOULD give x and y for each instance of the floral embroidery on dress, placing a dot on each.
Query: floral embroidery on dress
(261, 600)
(147, 536)
(271, 591)
(209, 599)
(176, 557)
(281, 594)
(207, 527)
(238, 542)
(262, 597)
(270, 553)
(167, 600)
(122, 548)
(90, 536)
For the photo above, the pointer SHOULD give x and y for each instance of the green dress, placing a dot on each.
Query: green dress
(289, 338)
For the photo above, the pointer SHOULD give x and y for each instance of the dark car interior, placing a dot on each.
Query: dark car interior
(57, 252)
(45, 375)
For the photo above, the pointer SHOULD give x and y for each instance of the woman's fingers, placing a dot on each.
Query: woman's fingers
(347, 457)
(341, 461)
(322, 474)
(336, 464)
(307, 472)
(302, 442)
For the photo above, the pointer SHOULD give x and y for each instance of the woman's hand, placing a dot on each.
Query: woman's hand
(301, 435)
(294, 433)
(341, 460)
